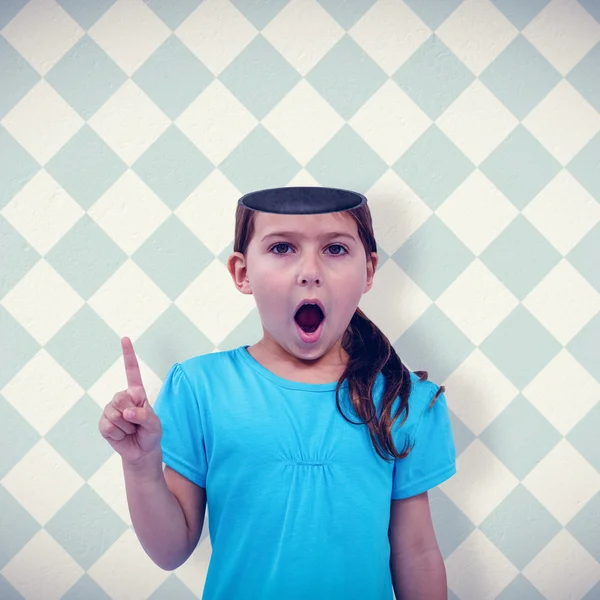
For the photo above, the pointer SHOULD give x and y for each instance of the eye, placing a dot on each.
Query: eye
(341, 250)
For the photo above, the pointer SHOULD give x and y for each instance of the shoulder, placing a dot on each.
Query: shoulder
(210, 364)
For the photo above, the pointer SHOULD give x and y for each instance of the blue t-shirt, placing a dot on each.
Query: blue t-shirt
(298, 500)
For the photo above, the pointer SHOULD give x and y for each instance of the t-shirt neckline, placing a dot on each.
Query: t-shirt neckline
(280, 381)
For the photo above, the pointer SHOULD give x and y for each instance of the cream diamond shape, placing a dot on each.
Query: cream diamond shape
(125, 571)
(477, 122)
(477, 212)
(563, 122)
(213, 303)
(216, 32)
(481, 482)
(302, 178)
(478, 391)
(390, 122)
(129, 301)
(477, 302)
(109, 484)
(563, 569)
(42, 212)
(129, 212)
(42, 122)
(563, 302)
(563, 377)
(42, 32)
(394, 318)
(477, 32)
(129, 122)
(216, 122)
(396, 210)
(42, 391)
(563, 481)
(129, 32)
(42, 569)
(303, 122)
(303, 32)
(42, 302)
(563, 212)
(489, 570)
(42, 482)
(209, 211)
(564, 32)
(390, 32)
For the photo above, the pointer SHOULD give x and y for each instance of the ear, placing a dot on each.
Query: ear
(372, 261)
(236, 265)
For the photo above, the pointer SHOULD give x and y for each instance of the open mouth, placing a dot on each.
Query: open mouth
(309, 317)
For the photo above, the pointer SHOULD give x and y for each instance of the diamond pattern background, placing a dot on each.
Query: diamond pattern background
(129, 128)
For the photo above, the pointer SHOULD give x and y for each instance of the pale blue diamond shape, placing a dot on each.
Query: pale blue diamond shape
(433, 257)
(347, 161)
(17, 439)
(259, 162)
(346, 77)
(86, 77)
(585, 77)
(17, 527)
(154, 346)
(85, 526)
(17, 167)
(86, 257)
(9, 10)
(17, 256)
(520, 167)
(348, 12)
(520, 526)
(433, 77)
(86, 12)
(173, 12)
(520, 77)
(85, 589)
(75, 437)
(584, 257)
(23, 346)
(85, 347)
(172, 588)
(433, 167)
(434, 344)
(520, 13)
(17, 77)
(433, 12)
(260, 14)
(584, 436)
(173, 257)
(585, 167)
(584, 526)
(520, 257)
(520, 347)
(86, 167)
(520, 448)
(584, 347)
(172, 167)
(173, 77)
(259, 77)
(520, 588)
(593, 7)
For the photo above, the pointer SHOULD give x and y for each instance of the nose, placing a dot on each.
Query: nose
(309, 272)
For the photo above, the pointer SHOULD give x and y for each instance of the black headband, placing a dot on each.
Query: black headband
(302, 200)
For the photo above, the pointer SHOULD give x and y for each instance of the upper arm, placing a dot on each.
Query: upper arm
(411, 529)
(192, 499)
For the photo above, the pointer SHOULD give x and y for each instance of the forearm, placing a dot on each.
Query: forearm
(420, 576)
(157, 517)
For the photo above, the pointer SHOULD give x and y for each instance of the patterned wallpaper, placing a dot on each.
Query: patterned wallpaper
(129, 129)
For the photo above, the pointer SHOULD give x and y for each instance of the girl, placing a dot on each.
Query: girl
(313, 448)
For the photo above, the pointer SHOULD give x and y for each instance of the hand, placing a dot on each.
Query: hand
(128, 422)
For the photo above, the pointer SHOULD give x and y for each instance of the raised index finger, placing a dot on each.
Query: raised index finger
(132, 368)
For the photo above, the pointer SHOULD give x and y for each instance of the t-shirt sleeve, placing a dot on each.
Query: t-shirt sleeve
(432, 459)
(182, 440)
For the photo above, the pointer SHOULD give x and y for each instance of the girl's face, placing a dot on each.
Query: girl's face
(292, 258)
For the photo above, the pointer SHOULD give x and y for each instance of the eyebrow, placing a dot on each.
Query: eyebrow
(302, 235)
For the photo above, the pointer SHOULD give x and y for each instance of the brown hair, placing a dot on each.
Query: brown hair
(369, 352)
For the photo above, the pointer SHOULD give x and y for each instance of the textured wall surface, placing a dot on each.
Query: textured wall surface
(129, 129)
